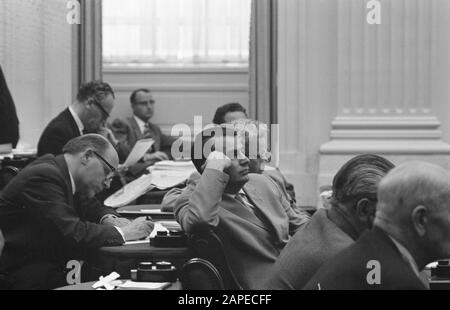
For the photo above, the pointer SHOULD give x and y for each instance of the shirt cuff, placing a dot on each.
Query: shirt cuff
(107, 216)
(121, 233)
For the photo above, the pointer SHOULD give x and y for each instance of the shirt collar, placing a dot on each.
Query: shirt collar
(72, 182)
(140, 123)
(406, 255)
(77, 120)
(241, 192)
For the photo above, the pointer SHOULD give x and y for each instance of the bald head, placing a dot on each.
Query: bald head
(410, 185)
(414, 208)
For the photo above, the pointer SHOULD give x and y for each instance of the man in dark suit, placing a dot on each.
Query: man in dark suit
(139, 127)
(44, 223)
(330, 231)
(9, 123)
(411, 230)
(248, 212)
(88, 114)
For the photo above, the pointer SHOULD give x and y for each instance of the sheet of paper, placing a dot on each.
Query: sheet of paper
(144, 285)
(168, 179)
(141, 147)
(130, 192)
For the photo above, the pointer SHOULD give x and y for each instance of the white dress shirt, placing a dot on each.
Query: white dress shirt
(77, 120)
(142, 125)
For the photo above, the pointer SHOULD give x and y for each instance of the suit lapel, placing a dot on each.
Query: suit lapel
(254, 196)
(136, 131)
(62, 165)
(73, 125)
(241, 211)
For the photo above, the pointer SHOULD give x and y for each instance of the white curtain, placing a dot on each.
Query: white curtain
(36, 56)
(176, 31)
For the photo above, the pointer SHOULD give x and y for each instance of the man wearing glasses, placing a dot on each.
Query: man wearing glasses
(139, 127)
(88, 114)
(44, 224)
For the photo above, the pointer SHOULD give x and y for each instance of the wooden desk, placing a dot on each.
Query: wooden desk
(122, 259)
(152, 197)
(153, 210)
(88, 287)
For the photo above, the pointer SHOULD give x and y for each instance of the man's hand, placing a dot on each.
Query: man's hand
(138, 229)
(218, 161)
(108, 134)
(113, 220)
(157, 156)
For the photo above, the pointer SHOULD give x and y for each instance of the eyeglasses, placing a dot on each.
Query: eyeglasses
(109, 176)
(98, 105)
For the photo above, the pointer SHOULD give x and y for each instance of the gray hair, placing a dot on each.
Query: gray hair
(92, 142)
(359, 178)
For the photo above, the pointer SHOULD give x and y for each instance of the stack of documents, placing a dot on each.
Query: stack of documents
(168, 174)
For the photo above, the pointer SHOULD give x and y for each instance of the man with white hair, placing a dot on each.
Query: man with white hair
(412, 229)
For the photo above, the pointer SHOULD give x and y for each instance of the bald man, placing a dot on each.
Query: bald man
(412, 229)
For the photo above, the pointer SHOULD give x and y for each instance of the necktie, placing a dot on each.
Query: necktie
(242, 198)
(147, 132)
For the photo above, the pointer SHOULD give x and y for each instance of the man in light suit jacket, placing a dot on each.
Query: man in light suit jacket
(139, 127)
(248, 212)
(44, 223)
(411, 230)
(331, 231)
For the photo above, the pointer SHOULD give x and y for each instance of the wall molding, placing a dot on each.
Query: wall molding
(183, 87)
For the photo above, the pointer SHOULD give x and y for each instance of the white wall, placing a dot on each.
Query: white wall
(36, 56)
(337, 74)
(180, 94)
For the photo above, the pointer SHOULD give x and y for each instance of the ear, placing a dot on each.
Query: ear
(365, 211)
(419, 218)
(85, 157)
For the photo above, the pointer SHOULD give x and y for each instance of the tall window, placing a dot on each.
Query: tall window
(176, 32)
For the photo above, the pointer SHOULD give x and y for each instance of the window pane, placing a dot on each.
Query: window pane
(176, 31)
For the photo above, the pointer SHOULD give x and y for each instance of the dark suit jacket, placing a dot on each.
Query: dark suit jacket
(42, 222)
(314, 243)
(348, 270)
(252, 239)
(133, 134)
(58, 132)
(9, 123)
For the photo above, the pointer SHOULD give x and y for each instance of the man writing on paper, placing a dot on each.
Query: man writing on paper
(139, 127)
(44, 223)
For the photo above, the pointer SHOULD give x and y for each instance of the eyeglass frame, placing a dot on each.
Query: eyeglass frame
(113, 170)
(102, 109)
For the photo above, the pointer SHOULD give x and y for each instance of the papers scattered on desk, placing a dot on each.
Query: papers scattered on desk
(144, 285)
(168, 174)
(130, 192)
(139, 150)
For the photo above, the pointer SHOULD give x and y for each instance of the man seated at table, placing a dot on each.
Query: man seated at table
(44, 224)
(252, 130)
(87, 114)
(248, 212)
(330, 231)
(411, 230)
(139, 127)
